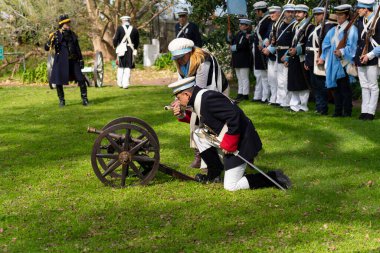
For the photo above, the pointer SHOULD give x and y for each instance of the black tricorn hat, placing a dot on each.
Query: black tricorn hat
(63, 19)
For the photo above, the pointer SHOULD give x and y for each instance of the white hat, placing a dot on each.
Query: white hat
(182, 11)
(365, 4)
(301, 7)
(318, 10)
(289, 7)
(343, 8)
(274, 9)
(126, 18)
(179, 47)
(182, 84)
(260, 5)
(245, 21)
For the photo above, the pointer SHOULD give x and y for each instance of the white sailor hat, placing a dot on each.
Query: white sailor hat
(365, 4)
(260, 5)
(179, 47)
(318, 10)
(274, 9)
(182, 11)
(343, 8)
(182, 84)
(245, 21)
(126, 18)
(301, 7)
(289, 7)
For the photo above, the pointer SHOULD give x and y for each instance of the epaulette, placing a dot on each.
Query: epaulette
(51, 35)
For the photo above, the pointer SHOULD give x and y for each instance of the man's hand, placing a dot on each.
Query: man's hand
(320, 61)
(338, 53)
(283, 58)
(227, 152)
(177, 108)
(364, 59)
(306, 67)
(292, 51)
(265, 51)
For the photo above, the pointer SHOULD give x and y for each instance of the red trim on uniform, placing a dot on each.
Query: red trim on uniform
(187, 117)
(230, 142)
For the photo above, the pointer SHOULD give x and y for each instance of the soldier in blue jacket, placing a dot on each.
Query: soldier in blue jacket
(68, 60)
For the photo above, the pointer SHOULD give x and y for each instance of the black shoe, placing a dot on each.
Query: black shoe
(369, 116)
(347, 115)
(245, 97)
(202, 178)
(62, 103)
(336, 115)
(280, 178)
(362, 116)
(85, 102)
(256, 100)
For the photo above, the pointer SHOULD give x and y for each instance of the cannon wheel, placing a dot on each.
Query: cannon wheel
(128, 151)
(134, 121)
(98, 69)
(49, 66)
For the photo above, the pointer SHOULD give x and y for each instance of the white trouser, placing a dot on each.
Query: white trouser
(242, 75)
(283, 97)
(299, 100)
(262, 86)
(370, 89)
(233, 178)
(123, 76)
(272, 81)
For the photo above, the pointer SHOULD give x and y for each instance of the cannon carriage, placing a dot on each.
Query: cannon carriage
(93, 74)
(127, 153)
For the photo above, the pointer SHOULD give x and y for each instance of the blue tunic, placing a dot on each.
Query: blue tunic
(333, 65)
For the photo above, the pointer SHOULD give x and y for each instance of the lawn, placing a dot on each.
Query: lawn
(52, 201)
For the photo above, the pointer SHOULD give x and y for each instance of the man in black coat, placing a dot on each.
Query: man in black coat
(233, 129)
(68, 60)
(186, 29)
(126, 41)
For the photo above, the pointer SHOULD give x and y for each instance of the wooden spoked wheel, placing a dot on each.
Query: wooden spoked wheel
(125, 154)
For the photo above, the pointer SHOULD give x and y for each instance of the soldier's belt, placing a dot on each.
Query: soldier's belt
(312, 48)
(282, 47)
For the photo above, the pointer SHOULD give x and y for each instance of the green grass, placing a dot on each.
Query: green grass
(50, 199)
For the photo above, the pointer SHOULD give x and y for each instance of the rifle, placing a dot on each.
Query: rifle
(370, 32)
(277, 24)
(301, 31)
(343, 42)
(322, 31)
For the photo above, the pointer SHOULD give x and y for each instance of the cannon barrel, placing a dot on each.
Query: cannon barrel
(93, 130)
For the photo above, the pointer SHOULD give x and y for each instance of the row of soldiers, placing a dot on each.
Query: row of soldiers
(292, 57)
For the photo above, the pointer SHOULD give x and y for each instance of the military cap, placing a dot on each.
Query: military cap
(63, 19)
(274, 9)
(301, 7)
(182, 84)
(289, 7)
(182, 11)
(260, 5)
(126, 18)
(366, 4)
(245, 21)
(179, 47)
(318, 10)
(343, 8)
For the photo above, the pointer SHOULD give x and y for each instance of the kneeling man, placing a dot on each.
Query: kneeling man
(234, 131)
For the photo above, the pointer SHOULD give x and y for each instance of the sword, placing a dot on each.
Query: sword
(209, 134)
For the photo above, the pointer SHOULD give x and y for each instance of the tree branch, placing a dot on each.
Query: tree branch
(143, 25)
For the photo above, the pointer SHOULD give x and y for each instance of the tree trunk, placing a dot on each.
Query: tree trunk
(101, 32)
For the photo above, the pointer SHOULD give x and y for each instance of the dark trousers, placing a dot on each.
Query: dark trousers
(318, 86)
(343, 97)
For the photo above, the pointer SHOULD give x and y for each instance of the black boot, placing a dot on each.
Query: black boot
(196, 164)
(258, 180)
(61, 95)
(83, 93)
(214, 166)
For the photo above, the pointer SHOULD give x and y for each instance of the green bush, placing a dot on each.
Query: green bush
(164, 61)
(36, 75)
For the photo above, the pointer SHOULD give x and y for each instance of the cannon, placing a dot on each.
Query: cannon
(93, 74)
(127, 153)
